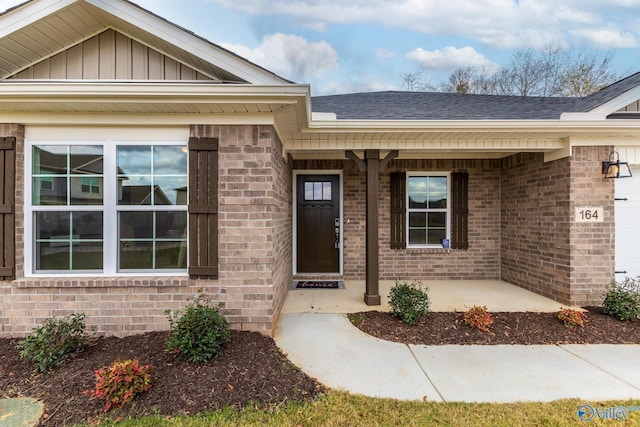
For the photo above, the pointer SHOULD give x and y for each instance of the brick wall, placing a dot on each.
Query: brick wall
(592, 244)
(254, 252)
(543, 248)
(480, 261)
(252, 224)
(282, 225)
(535, 224)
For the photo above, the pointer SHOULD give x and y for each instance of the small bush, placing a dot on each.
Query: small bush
(199, 331)
(572, 318)
(52, 343)
(622, 300)
(479, 318)
(121, 382)
(409, 301)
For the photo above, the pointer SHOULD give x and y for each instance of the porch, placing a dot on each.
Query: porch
(445, 295)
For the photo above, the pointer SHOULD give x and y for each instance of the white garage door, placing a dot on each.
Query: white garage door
(628, 225)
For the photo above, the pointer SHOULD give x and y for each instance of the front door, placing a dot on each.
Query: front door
(318, 223)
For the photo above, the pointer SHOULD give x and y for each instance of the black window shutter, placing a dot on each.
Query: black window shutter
(460, 210)
(203, 207)
(7, 208)
(398, 210)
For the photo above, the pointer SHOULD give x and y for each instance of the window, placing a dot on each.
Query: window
(90, 185)
(317, 191)
(427, 209)
(107, 207)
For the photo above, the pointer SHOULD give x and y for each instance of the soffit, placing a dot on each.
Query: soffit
(442, 139)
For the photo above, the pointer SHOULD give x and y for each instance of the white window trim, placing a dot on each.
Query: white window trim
(110, 221)
(410, 174)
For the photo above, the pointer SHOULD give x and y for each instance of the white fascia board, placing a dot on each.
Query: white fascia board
(146, 90)
(188, 42)
(473, 125)
(29, 13)
(602, 111)
(319, 117)
(139, 119)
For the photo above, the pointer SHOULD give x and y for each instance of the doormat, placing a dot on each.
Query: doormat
(319, 284)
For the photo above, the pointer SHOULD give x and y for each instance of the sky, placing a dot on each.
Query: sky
(345, 46)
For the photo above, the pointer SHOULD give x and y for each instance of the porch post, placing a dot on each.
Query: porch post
(372, 292)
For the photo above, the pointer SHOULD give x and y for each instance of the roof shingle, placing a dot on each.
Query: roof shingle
(397, 105)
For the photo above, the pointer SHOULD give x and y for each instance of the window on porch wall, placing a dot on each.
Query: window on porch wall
(107, 207)
(428, 207)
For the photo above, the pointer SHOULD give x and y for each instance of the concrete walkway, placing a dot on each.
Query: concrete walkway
(328, 347)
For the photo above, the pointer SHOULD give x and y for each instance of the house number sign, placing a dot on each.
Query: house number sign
(589, 214)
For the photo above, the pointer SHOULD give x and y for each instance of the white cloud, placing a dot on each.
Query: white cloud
(290, 56)
(450, 58)
(607, 39)
(497, 23)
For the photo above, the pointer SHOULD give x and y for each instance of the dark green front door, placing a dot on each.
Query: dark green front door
(318, 223)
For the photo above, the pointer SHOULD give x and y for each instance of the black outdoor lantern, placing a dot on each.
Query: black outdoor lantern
(615, 168)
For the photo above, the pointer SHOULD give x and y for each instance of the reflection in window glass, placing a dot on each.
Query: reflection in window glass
(60, 174)
(318, 190)
(68, 240)
(427, 210)
(147, 192)
(151, 175)
(153, 240)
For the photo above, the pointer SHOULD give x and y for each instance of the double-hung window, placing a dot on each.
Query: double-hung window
(428, 209)
(106, 207)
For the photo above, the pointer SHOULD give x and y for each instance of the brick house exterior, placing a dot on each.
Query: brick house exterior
(503, 179)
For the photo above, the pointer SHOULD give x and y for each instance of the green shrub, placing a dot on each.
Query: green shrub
(199, 331)
(572, 318)
(121, 382)
(52, 343)
(409, 301)
(622, 300)
(479, 318)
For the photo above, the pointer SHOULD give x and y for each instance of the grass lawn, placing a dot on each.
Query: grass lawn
(343, 409)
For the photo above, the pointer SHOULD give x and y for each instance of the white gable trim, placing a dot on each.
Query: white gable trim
(21, 17)
(601, 112)
(188, 42)
(29, 13)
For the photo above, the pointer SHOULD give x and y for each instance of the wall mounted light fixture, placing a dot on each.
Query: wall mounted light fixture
(614, 168)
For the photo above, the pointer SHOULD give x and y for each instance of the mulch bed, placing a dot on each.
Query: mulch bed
(250, 370)
(508, 328)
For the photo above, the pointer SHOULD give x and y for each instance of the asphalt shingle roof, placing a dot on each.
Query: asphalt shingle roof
(397, 105)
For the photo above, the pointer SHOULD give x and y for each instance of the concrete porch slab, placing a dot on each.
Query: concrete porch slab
(445, 295)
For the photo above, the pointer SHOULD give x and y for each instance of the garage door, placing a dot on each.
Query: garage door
(628, 225)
